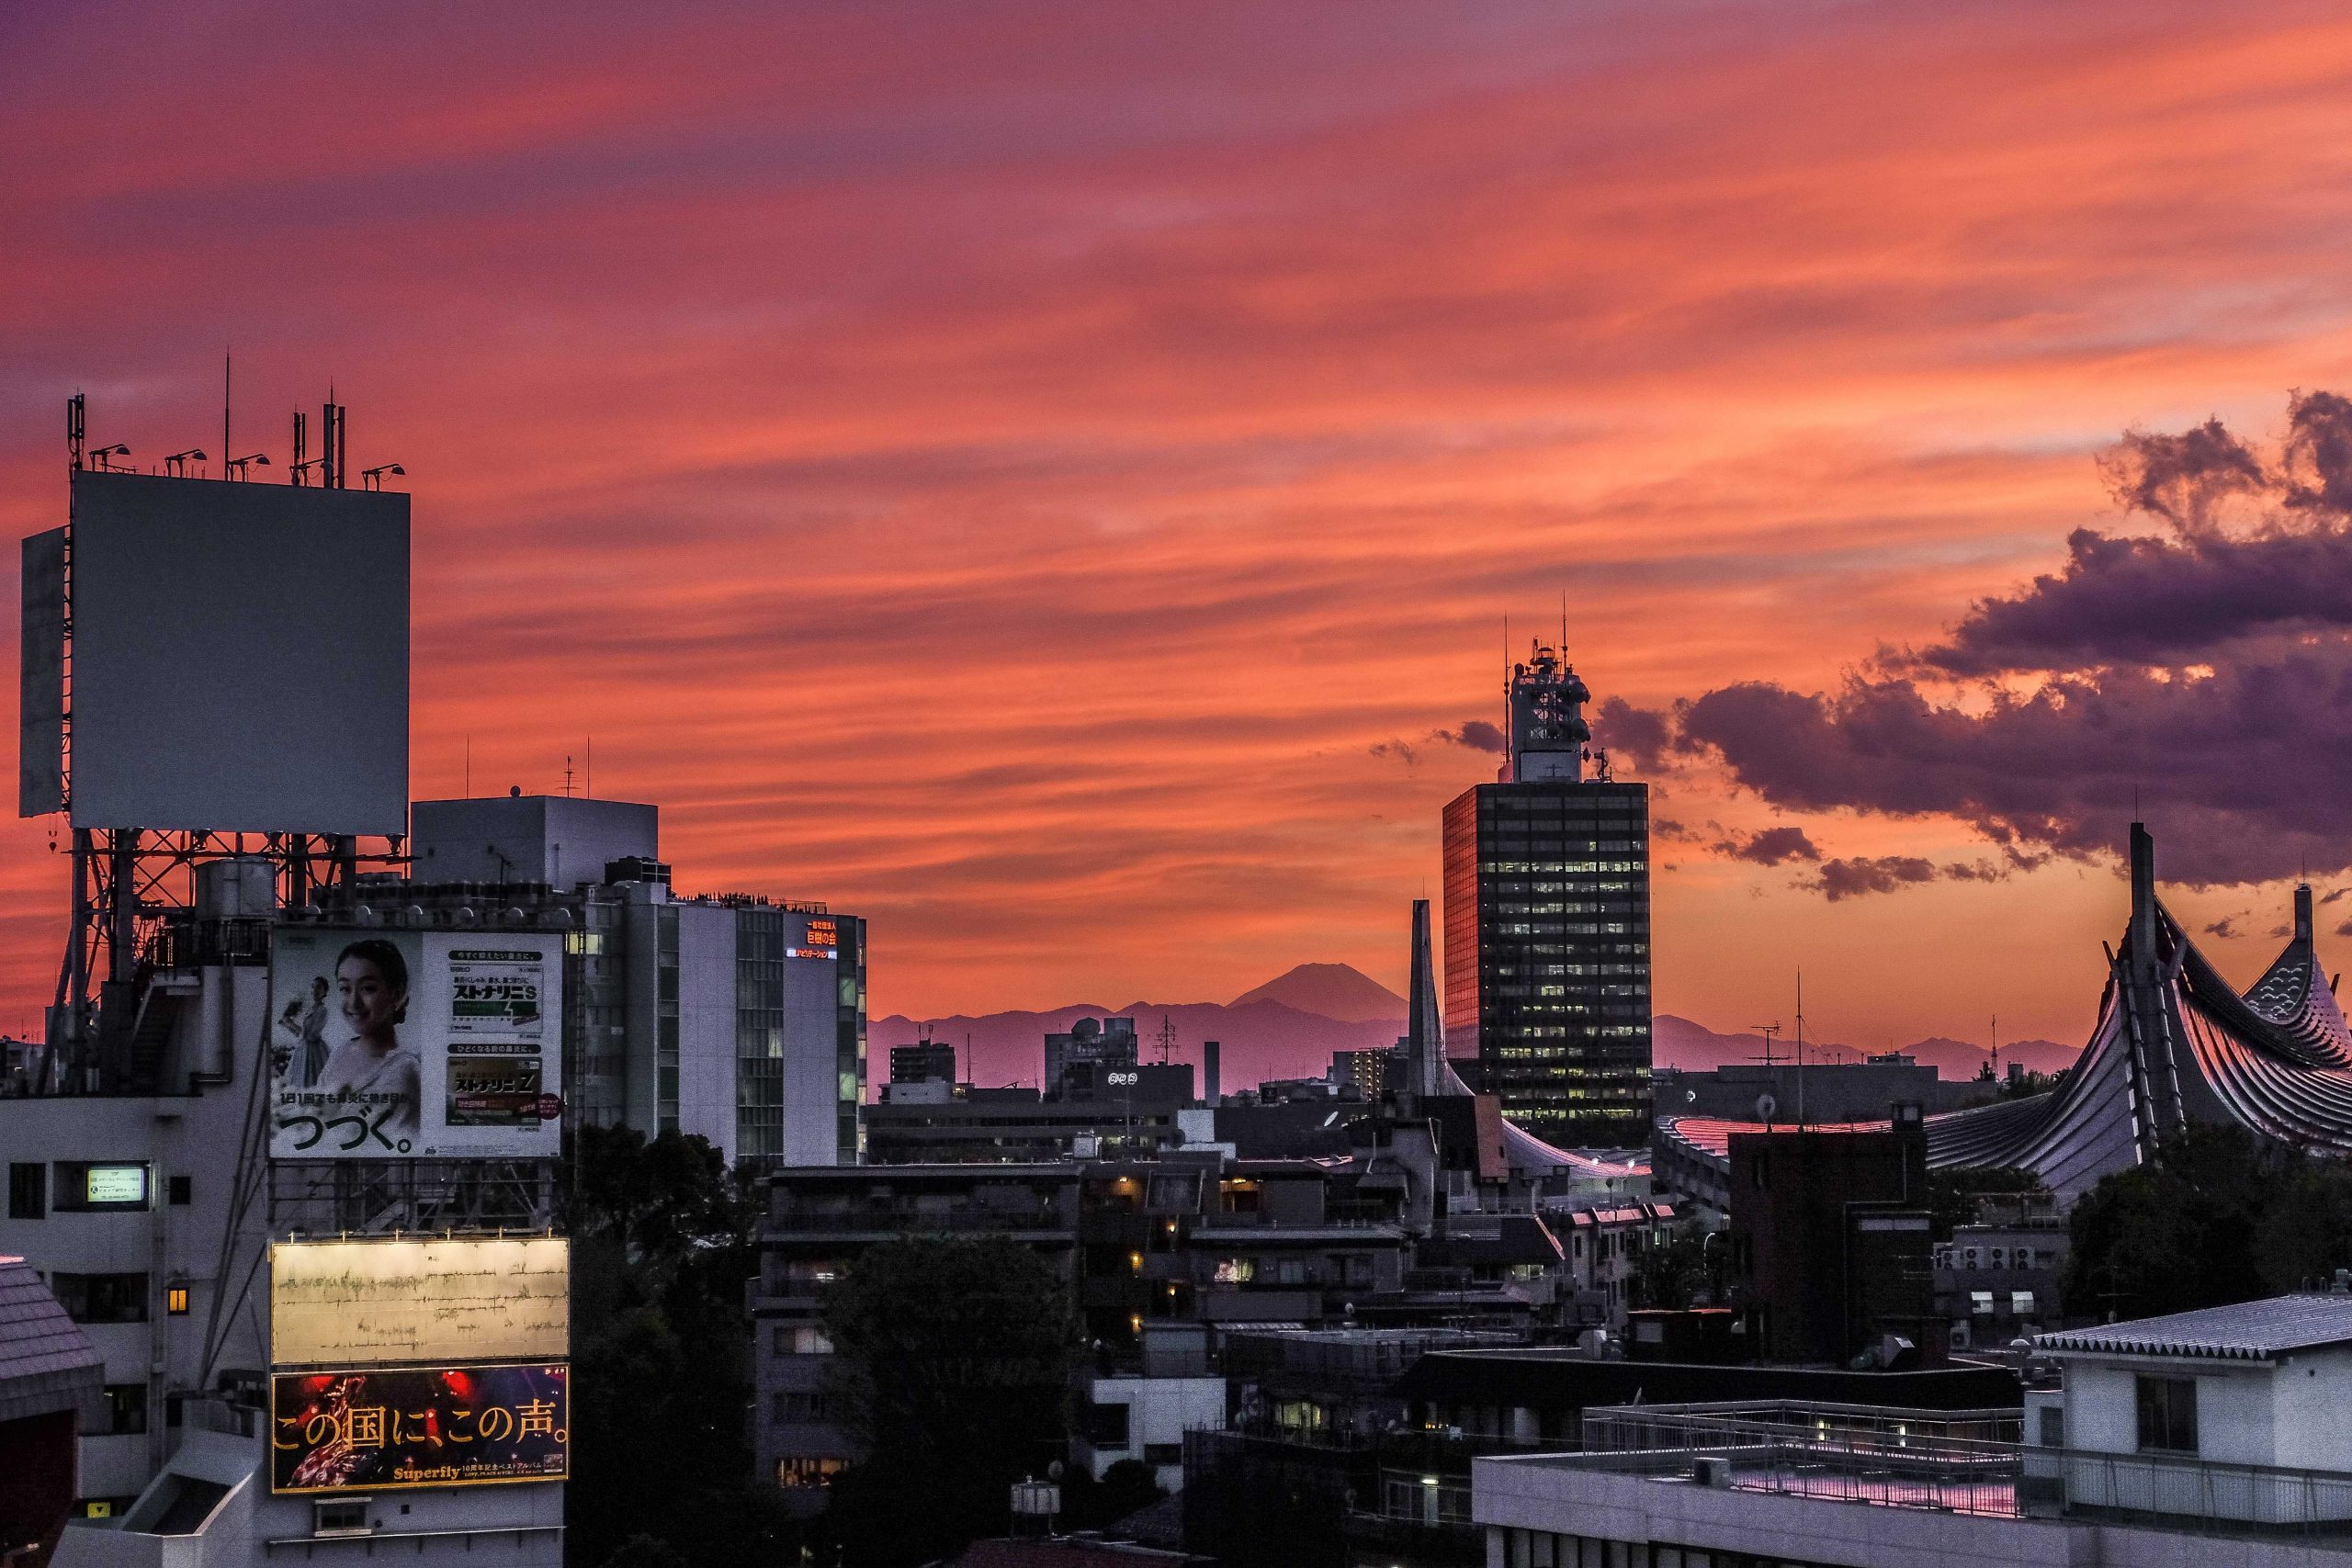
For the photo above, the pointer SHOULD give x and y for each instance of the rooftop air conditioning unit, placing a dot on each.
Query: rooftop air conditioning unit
(1712, 1470)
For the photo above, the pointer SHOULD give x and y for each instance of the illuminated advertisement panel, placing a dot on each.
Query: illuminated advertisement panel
(438, 1301)
(389, 1043)
(383, 1429)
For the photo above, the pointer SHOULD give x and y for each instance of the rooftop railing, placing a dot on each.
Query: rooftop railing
(1929, 1460)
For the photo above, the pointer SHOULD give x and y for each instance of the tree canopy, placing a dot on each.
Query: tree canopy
(2215, 1217)
(663, 1242)
(951, 1368)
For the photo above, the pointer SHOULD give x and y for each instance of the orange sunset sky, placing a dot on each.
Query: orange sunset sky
(1049, 476)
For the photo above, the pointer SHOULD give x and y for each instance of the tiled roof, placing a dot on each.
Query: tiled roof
(2250, 1331)
(46, 1362)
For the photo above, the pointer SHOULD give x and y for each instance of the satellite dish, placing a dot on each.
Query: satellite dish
(1690, 1097)
(1765, 1106)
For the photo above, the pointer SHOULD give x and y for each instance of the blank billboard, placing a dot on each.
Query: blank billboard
(438, 1301)
(41, 697)
(240, 655)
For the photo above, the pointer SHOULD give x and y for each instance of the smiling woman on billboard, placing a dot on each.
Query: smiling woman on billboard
(371, 984)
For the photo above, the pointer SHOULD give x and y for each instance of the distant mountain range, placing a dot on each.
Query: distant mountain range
(1289, 1027)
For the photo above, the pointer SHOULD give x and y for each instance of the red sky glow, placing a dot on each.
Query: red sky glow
(1038, 475)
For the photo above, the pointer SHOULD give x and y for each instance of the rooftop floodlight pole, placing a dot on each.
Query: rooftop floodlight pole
(102, 458)
(236, 467)
(177, 462)
(373, 479)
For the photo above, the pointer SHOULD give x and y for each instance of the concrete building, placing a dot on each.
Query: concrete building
(735, 1018)
(1132, 1417)
(1547, 925)
(2212, 1437)
(1830, 1243)
(1997, 1279)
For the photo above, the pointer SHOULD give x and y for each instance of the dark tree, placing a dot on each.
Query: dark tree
(1952, 1194)
(952, 1366)
(661, 1246)
(2216, 1217)
(1675, 1270)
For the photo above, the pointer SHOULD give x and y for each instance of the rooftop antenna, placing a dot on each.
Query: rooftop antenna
(1167, 1038)
(592, 768)
(74, 410)
(1996, 1046)
(300, 467)
(1800, 1046)
(567, 775)
(225, 446)
(1767, 1031)
(469, 767)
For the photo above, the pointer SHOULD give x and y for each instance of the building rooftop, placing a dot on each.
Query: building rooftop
(2250, 1331)
(46, 1362)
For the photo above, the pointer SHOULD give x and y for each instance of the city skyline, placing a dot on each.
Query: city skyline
(1063, 532)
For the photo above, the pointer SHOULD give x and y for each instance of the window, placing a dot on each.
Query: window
(1980, 1302)
(126, 1410)
(1106, 1424)
(27, 1190)
(342, 1515)
(789, 1406)
(791, 1340)
(2054, 1427)
(2021, 1303)
(806, 1470)
(2167, 1414)
(176, 1300)
(86, 1188)
(101, 1298)
(183, 1191)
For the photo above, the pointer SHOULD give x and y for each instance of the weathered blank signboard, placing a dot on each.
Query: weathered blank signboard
(387, 1303)
(40, 704)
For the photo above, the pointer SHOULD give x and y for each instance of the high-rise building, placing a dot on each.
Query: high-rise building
(1547, 923)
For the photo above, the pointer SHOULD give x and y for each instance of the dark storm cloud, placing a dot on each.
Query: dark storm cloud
(1476, 734)
(1854, 877)
(1769, 847)
(2183, 479)
(2316, 467)
(2154, 600)
(1640, 733)
(2205, 676)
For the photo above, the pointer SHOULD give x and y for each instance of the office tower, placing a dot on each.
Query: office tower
(1547, 924)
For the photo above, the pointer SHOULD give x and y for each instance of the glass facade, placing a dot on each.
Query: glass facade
(1547, 954)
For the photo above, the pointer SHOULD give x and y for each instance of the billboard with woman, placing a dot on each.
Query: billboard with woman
(392, 1044)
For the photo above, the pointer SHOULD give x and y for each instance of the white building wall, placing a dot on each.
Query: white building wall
(2310, 1396)
(1159, 1412)
(707, 1024)
(2235, 1421)
(195, 1135)
(812, 1086)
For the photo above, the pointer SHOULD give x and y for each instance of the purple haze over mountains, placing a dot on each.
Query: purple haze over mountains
(1276, 1031)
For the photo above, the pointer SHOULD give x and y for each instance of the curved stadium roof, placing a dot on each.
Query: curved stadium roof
(2174, 1044)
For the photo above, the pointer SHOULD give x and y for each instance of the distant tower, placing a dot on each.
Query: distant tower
(1547, 925)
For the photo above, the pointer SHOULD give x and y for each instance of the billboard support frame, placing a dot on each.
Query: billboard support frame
(128, 884)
